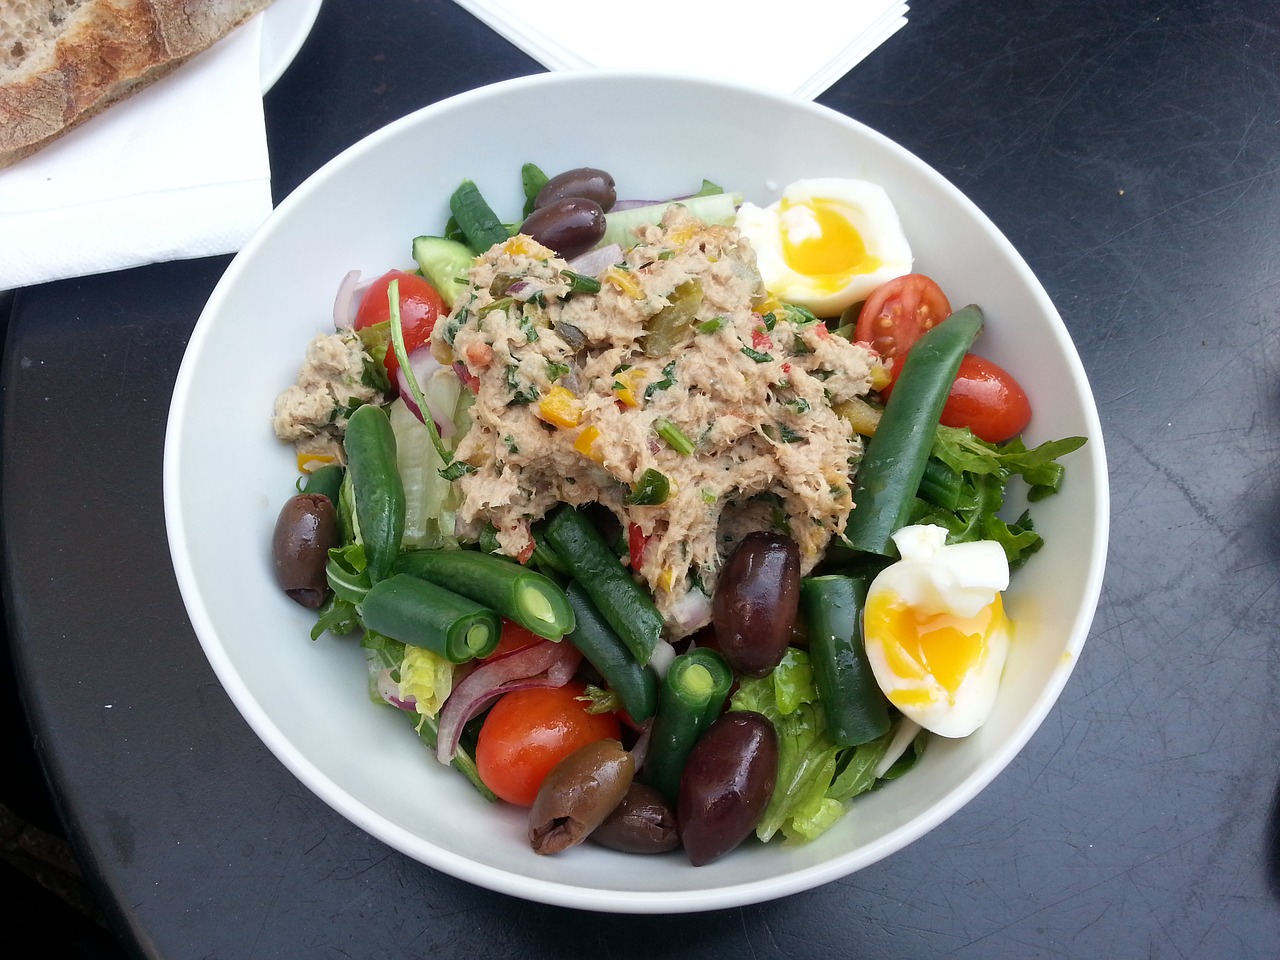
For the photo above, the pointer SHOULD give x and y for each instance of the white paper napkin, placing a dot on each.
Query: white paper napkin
(178, 170)
(800, 47)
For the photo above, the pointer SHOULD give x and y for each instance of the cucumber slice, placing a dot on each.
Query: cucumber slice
(445, 264)
(620, 225)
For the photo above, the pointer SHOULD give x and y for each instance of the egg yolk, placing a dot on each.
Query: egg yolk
(818, 240)
(943, 646)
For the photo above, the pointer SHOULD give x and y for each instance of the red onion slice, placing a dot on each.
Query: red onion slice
(424, 366)
(389, 690)
(595, 262)
(542, 665)
(346, 302)
(691, 612)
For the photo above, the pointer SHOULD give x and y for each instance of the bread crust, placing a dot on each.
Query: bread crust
(107, 50)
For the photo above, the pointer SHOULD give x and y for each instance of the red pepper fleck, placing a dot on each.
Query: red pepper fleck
(636, 543)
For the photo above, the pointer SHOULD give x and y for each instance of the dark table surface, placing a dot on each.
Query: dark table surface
(1130, 151)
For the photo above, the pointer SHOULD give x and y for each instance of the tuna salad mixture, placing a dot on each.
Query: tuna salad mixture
(677, 396)
(336, 377)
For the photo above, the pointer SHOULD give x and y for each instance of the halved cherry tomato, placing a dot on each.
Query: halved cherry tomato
(527, 732)
(988, 400)
(898, 313)
(420, 305)
(514, 638)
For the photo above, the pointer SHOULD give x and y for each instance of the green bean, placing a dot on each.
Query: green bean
(856, 710)
(692, 695)
(377, 488)
(513, 591)
(475, 218)
(423, 614)
(532, 179)
(635, 685)
(326, 480)
(624, 604)
(890, 472)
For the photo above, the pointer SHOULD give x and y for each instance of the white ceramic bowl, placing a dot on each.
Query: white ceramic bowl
(226, 476)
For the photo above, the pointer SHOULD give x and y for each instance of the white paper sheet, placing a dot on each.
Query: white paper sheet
(178, 170)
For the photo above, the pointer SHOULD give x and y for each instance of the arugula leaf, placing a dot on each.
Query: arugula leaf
(986, 469)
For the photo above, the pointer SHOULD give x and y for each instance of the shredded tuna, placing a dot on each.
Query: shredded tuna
(334, 380)
(575, 389)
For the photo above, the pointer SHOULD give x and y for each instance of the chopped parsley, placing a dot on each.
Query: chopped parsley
(668, 380)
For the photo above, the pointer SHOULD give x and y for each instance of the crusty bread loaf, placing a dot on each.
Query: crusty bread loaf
(62, 61)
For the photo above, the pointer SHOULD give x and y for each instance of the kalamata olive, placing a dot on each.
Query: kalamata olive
(569, 227)
(642, 823)
(579, 792)
(755, 602)
(586, 182)
(305, 530)
(727, 782)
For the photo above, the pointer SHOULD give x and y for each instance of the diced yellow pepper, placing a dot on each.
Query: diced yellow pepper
(524, 244)
(626, 386)
(666, 578)
(624, 281)
(586, 442)
(879, 375)
(680, 236)
(560, 407)
(862, 416)
(311, 462)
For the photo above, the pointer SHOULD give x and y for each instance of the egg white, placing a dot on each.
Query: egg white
(839, 275)
(934, 578)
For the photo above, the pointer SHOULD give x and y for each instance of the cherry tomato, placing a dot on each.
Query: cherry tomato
(988, 400)
(514, 639)
(420, 305)
(527, 732)
(898, 313)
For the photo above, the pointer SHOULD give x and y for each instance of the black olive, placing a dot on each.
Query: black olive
(642, 823)
(579, 792)
(570, 227)
(586, 182)
(305, 530)
(727, 782)
(756, 600)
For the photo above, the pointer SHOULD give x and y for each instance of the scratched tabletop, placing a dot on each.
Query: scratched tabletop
(1130, 151)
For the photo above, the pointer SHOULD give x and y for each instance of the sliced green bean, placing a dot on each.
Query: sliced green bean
(692, 695)
(624, 604)
(377, 488)
(423, 614)
(512, 590)
(856, 710)
(889, 474)
(635, 685)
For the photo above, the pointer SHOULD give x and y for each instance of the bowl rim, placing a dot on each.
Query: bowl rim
(541, 889)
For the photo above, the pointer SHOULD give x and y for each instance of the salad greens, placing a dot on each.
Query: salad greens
(815, 775)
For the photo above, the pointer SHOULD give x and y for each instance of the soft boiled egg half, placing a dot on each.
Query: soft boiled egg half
(935, 629)
(826, 243)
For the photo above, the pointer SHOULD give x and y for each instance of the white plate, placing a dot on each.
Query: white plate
(226, 476)
(285, 26)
